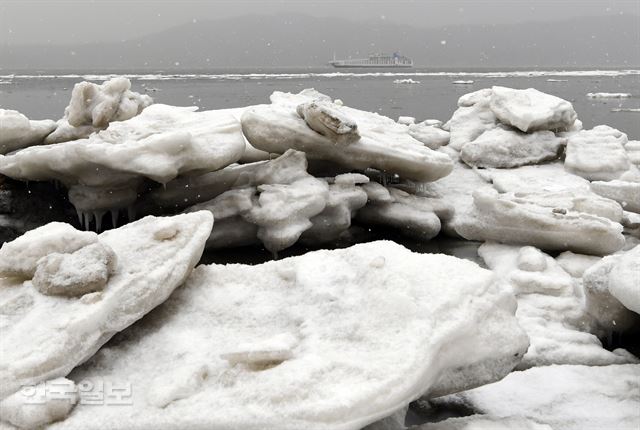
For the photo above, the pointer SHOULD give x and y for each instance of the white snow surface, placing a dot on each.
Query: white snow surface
(355, 335)
(17, 131)
(45, 336)
(565, 397)
(383, 144)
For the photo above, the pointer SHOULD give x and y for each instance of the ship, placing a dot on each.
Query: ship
(375, 60)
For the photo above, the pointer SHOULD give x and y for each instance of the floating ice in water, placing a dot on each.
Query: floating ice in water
(17, 131)
(405, 81)
(309, 342)
(383, 144)
(46, 336)
(608, 95)
(625, 110)
(557, 80)
(462, 82)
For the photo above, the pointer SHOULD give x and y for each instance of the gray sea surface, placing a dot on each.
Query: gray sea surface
(45, 94)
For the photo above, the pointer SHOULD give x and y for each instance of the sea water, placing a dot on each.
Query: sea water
(42, 95)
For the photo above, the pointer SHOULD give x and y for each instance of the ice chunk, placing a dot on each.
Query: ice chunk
(612, 289)
(45, 336)
(431, 135)
(529, 219)
(567, 397)
(17, 131)
(406, 120)
(576, 264)
(35, 406)
(530, 110)
(19, 258)
(502, 148)
(329, 122)
(608, 95)
(98, 105)
(597, 154)
(472, 118)
(346, 331)
(92, 107)
(159, 144)
(410, 215)
(84, 271)
(550, 309)
(383, 143)
(624, 192)
(551, 177)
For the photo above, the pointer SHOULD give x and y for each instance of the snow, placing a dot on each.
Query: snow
(504, 148)
(154, 256)
(355, 334)
(567, 397)
(531, 110)
(383, 143)
(608, 95)
(17, 131)
(550, 308)
(597, 154)
(39, 405)
(529, 219)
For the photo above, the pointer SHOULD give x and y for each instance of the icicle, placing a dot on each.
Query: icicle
(79, 212)
(87, 220)
(98, 217)
(114, 217)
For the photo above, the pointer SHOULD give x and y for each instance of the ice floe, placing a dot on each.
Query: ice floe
(17, 131)
(67, 312)
(328, 340)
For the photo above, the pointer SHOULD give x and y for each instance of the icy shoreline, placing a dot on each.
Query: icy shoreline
(340, 337)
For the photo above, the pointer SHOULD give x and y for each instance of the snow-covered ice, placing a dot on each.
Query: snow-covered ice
(383, 144)
(608, 95)
(506, 148)
(17, 131)
(550, 308)
(92, 107)
(328, 340)
(154, 256)
(531, 110)
(566, 397)
(597, 154)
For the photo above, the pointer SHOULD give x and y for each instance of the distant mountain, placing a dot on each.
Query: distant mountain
(303, 41)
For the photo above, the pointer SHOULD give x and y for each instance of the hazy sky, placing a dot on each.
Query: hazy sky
(74, 21)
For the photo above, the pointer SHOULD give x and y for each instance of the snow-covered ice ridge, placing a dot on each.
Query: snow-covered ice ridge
(241, 76)
(347, 335)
